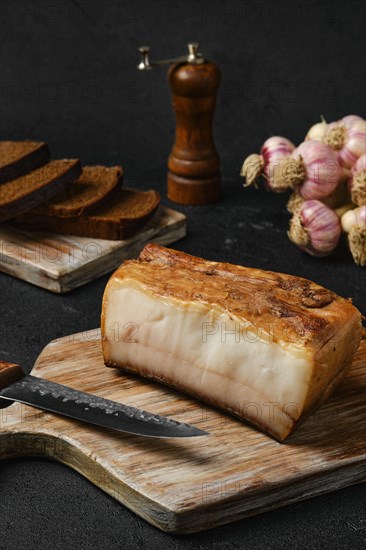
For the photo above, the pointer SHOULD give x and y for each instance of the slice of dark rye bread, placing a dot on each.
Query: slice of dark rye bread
(123, 217)
(96, 186)
(20, 157)
(24, 193)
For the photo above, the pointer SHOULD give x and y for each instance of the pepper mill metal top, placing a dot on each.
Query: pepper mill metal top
(194, 166)
(194, 57)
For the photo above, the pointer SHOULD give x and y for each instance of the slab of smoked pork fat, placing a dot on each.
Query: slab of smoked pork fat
(266, 347)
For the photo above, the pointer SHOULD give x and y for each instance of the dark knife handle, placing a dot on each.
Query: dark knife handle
(9, 373)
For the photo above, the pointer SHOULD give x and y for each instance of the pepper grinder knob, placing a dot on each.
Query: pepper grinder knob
(193, 52)
(144, 64)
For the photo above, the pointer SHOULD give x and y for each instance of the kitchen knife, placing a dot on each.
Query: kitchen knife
(15, 385)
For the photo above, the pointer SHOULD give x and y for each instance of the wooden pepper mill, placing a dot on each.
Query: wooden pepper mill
(194, 165)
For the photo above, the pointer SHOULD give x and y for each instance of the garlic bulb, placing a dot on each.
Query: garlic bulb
(354, 223)
(357, 182)
(348, 138)
(315, 228)
(317, 131)
(312, 169)
(273, 150)
(356, 216)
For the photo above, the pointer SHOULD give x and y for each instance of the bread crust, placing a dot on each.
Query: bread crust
(43, 186)
(96, 187)
(19, 158)
(99, 224)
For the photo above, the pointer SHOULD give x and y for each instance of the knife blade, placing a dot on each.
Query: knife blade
(43, 394)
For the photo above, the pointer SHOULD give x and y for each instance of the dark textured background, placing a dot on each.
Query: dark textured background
(68, 77)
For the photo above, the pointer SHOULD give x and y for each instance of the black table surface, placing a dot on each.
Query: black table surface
(44, 504)
(68, 76)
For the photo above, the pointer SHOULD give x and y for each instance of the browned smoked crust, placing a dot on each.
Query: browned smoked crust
(293, 309)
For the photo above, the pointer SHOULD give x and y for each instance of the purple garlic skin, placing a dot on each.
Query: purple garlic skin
(323, 172)
(315, 228)
(348, 138)
(273, 151)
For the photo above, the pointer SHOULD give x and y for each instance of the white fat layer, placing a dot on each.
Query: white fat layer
(205, 352)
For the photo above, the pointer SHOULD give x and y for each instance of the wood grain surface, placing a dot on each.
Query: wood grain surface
(61, 263)
(189, 485)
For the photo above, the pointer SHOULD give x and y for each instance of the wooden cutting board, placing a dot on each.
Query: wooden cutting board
(61, 263)
(189, 485)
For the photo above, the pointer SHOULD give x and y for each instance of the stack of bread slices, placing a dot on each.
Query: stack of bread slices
(60, 196)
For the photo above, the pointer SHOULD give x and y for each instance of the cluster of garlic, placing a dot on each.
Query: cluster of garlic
(327, 174)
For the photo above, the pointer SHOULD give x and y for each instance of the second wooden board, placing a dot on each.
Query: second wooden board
(191, 484)
(61, 263)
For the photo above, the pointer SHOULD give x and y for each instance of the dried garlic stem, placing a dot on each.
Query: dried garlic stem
(357, 244)
(294, 203)
(297, 233)
(335, 137)
(252, 168)
(358, 189)
(289, 174)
